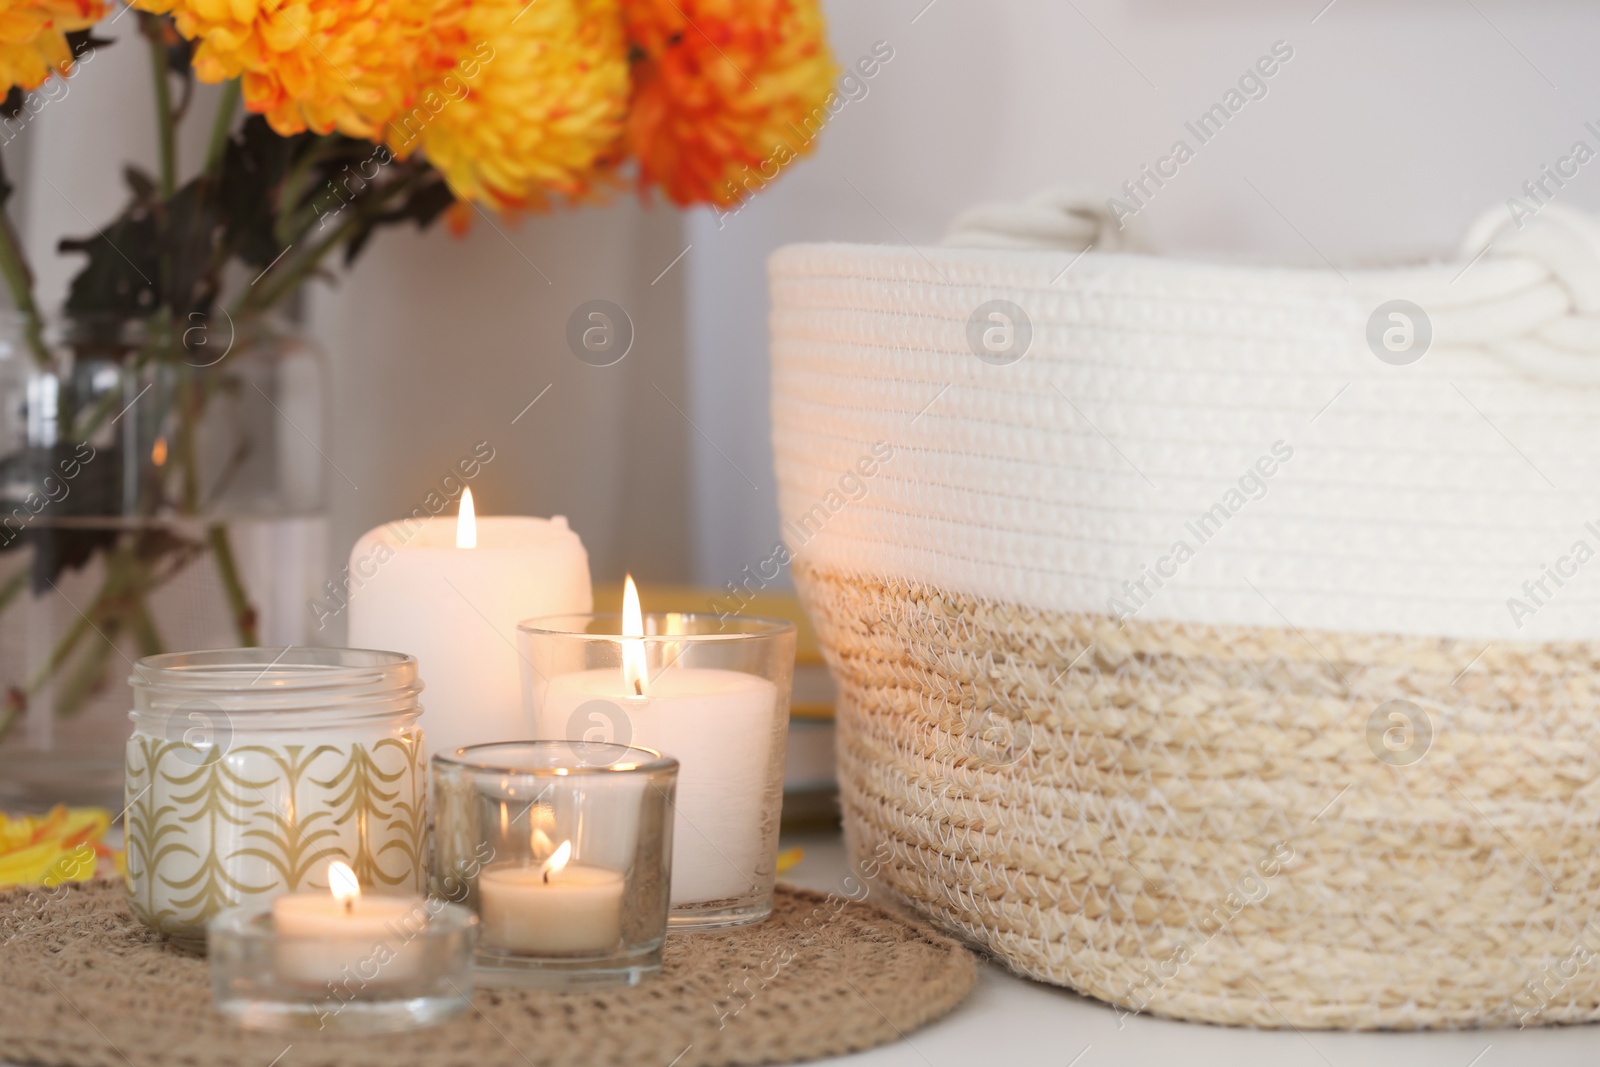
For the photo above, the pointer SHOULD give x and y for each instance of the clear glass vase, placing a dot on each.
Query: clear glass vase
(160, 490)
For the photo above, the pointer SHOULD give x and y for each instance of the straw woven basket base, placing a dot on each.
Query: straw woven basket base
(1212, 823)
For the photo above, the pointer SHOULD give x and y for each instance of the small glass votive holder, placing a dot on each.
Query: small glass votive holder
(405, 962)
(564, 850)
(713, 693)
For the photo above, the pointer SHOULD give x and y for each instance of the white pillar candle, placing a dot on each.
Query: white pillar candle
(553, 908)
(718, 725)
(456, 609)
(345, 936)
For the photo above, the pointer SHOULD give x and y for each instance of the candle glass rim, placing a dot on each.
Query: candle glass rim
(277, 686)
(657, 762)
(256, 921)
(317, 667)
(741, 627)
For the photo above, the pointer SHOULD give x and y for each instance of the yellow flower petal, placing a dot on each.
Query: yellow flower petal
(62, 845)
(323, 65)
(500, 126)
(33, 41)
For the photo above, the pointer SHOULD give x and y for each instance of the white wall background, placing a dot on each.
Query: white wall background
(1389, 130)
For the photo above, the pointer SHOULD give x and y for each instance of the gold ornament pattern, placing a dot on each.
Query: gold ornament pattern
(260, 820)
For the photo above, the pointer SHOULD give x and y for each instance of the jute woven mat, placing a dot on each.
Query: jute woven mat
(82, 984)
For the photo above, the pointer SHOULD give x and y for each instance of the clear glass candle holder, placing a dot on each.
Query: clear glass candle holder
(564, 850)
(407, 962)
(713, 694)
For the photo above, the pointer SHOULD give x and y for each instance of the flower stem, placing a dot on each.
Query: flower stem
(165, 130)
(143, 625)
(244, 613)
(300, 268)
(19, 280)
(226, 106)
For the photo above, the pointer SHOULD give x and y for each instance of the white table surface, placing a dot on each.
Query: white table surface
(1009, 1020)
(1012, 1021)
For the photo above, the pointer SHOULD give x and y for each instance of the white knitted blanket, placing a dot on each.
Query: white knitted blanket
(1207, 443)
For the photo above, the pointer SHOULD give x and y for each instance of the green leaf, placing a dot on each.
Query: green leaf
(84, 41)
(6, 188)
(188, 241)
(423, 206)
(142, 185)
(253, 167)
(119, 280)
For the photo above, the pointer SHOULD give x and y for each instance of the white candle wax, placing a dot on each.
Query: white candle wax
(457, 609)
(575, 909)
(370, 943)
(718, 725)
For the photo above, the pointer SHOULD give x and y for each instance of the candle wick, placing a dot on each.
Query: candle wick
(547, 876)
(349, 906)
(638, 687)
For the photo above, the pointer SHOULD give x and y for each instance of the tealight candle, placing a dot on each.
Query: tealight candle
(554, 907)
(589, 911)
(343, 935)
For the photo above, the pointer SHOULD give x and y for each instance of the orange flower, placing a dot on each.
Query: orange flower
(534, 109)
(322, 65)
(33, 40)
(726, 92)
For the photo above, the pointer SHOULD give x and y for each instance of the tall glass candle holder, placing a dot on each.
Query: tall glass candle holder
(564, 850)
(712, 693)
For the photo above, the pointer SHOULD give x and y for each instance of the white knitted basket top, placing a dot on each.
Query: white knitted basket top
(1431, 498)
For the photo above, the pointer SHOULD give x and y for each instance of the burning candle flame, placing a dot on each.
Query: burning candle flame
(342, 881)
(158, 452)
(467, 522)
(558, 859)
(635, 668)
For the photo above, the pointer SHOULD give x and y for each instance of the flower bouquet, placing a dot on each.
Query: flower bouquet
(134, 420)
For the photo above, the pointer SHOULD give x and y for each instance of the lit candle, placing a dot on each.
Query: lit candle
(451, 591)
(718, 725)
(550, 908)
(343, 935)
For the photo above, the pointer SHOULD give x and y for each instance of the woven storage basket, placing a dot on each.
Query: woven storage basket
(1321, 769)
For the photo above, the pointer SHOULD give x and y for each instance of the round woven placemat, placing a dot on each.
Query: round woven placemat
(82, 983)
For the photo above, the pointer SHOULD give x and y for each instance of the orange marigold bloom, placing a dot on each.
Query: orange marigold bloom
(33, 38)
(322, 65)
(725, 93)
(534, 110)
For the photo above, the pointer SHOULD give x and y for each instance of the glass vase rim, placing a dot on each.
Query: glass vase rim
(65, 328)
(655, 762)
(743, 627)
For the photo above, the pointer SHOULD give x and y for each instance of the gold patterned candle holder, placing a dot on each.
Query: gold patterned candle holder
(249, 768)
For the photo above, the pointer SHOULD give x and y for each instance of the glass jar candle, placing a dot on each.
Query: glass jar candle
(249, 770)
(564, 850)
(711, 693)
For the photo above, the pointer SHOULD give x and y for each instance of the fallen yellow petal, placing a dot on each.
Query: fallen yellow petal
(62, 845)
